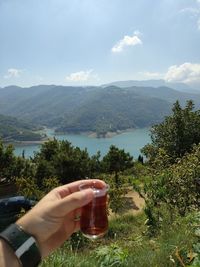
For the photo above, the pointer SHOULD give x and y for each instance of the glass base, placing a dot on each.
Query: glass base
(94, 236)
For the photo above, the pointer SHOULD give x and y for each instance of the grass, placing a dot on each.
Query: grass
(128, 244)
(67, 258)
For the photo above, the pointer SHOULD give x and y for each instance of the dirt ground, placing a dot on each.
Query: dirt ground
(133, 203)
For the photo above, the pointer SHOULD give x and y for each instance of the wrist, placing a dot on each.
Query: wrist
(22, 244)
(7, 255)
(30, 228)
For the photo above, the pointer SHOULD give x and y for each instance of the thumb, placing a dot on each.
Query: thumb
(74, 201)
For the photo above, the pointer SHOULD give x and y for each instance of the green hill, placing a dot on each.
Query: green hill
(99, 109)
(113, 109)
(12, 129)
(42, 104)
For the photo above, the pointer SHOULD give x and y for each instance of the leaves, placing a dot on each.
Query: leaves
(176, 135)
(111, 255)
(116, 160)
(60, 159)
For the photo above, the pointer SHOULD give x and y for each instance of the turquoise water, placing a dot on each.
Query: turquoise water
(131, 142)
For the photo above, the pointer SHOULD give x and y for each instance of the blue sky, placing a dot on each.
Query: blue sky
(92, 42)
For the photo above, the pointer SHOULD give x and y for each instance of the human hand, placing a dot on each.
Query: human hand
(53, 219)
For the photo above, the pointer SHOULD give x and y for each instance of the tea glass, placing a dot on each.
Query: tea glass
(94, 218)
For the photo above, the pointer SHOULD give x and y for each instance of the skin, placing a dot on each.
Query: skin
(52, 220)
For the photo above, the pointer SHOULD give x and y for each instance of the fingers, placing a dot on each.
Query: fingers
(76, 227)
(67, 189)
(76, 219)
(77, 214)
(72, 202)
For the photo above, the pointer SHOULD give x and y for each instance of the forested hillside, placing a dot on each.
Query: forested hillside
(12, 129)
(113, 109)
(98, 109)
(42, 104)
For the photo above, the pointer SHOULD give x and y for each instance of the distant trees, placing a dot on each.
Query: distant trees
(60, 159)
(58, 162)
(116, 160)
(176, 135)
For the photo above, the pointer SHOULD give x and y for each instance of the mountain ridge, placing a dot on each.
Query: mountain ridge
(92, 108)
(182, 87)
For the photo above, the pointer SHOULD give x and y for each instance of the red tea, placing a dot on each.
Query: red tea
(94, 220)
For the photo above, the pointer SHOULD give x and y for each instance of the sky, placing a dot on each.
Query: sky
(93, 42)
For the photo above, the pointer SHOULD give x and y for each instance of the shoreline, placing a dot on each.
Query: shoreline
(89, 134)
(15, 142)
(93, 134)
(110, 134)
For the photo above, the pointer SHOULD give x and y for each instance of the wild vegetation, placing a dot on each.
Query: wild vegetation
(166, 233)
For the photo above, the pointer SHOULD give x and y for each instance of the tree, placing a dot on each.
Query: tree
(7, 161)
(141, 159)
(176, 188)
(61, 160)
(176, 135)
(11, 166)
(95, 164)
(116, 160)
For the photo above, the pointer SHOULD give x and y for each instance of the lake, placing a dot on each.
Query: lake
(131, 142)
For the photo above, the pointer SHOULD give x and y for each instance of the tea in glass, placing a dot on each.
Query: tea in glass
(94, 219)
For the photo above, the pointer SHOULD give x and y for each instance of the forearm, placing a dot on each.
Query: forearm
(7, 256)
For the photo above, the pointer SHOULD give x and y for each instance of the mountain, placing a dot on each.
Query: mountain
(166, 93)
(154, 83)
(12, 129)
(115, 109)
(195, 84)
(42, 104)
(99, 109)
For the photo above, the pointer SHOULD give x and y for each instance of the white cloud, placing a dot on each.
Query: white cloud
(187, 73)
(13, 73)
(127, 41)
(82, 76)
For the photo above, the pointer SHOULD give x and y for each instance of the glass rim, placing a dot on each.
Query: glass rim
(98, 191)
